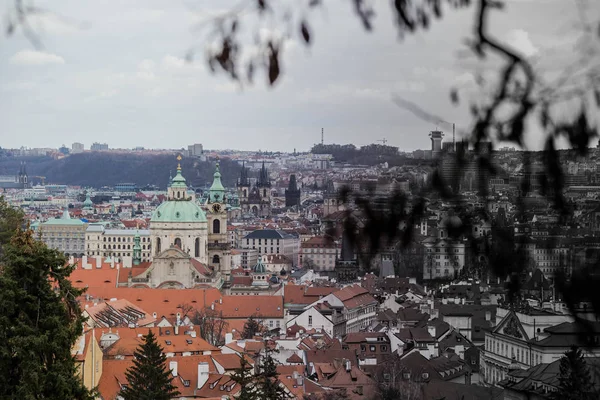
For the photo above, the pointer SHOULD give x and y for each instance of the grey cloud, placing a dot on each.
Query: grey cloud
(124, 82)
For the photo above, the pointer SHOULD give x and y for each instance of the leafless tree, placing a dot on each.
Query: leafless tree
(212, 324)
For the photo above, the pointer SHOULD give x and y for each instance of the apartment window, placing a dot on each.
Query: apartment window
(310, 320)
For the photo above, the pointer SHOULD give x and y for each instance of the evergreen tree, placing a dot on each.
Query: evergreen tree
(575, 381)
(40, 322)
(269, 387)
(149, 378)
(244, 377)
(10, 220)
(251, 328)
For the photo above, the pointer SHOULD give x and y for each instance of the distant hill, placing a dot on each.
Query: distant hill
(99, 169)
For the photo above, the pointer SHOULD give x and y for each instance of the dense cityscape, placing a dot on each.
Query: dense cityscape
(300, 200)
(265, 267)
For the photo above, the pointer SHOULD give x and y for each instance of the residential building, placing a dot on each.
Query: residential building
(249, 258)
(542, 381)
(318, 253)
(65, 234)
(195, 150)
(372, 348)
(352, 309)
(103, 242)
(89, 359)
(444, 257)
(99, 146)
(527, 337)
(77, 148)
(271, 241)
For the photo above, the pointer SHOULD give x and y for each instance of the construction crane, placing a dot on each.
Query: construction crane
(384, 141)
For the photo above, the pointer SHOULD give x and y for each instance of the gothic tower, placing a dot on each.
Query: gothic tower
(292, 193)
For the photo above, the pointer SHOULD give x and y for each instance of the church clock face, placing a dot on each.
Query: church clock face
(216, 208)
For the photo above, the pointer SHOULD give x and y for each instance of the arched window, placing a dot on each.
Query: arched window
(197, 247)
(171, 269)
(245, 193)
(178, 195)
(178, 242)
(216, 226)
(157, 246)
(264, 192)
(216, 259)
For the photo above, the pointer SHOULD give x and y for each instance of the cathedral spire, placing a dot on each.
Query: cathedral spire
(243, 181)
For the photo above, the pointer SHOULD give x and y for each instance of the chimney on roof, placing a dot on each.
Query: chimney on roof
(176, 329)
(348, 365)
(83, 262)
(202, 374)
(173, 367)
(488, 315)
(431, 329)
(212, 306)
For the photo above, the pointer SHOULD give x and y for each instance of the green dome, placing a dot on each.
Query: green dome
(178, 181)
(88, 202)
(259, 268)
(178, 211)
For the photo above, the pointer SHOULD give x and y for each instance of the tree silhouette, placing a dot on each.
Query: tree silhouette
(575, 381)
(40, 321)
(251, 328)
(267, 382)
(244, 377)
(149, 378)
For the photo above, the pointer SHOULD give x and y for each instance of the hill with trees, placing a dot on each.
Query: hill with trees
(97, 169)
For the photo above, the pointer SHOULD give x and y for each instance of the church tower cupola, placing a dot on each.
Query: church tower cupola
(178, 187)
(216, 193)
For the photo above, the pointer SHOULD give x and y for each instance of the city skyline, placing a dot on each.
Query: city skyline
(118, 75)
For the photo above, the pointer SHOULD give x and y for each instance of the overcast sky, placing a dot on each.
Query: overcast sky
(113, 71)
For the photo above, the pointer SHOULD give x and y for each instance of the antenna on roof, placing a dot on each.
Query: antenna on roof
(322, 137)
(453, 138)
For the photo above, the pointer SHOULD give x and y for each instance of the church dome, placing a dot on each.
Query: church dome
(178, 211)
(259, 268)
(88, 202)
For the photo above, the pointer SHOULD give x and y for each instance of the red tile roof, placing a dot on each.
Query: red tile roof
(245, 306)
